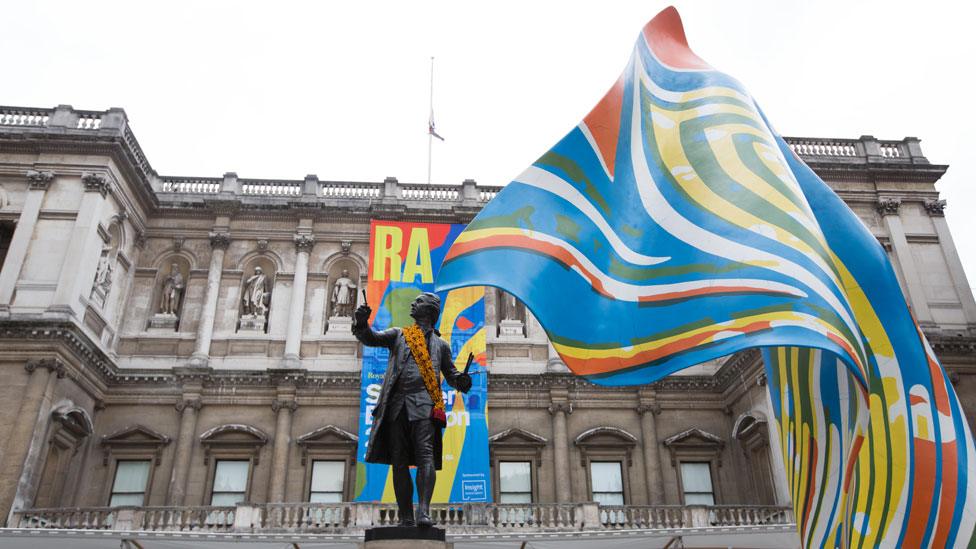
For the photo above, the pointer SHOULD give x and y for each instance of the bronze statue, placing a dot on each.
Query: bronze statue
(407, 421)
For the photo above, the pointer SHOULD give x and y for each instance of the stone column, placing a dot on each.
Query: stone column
(888, 208)
(38, 183)
(201, 353)
(84, 246)
(284, 407)
(35, 402)
(652, 454)
(296, 311)
(188, 408)
(560, 456)
(936, 211)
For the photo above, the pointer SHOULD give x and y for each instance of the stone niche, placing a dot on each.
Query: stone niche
(255, 319)
(342, 276)
(163, 319)
(511, 316)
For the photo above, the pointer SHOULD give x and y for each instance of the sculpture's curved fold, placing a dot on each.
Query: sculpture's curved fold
(673, 226)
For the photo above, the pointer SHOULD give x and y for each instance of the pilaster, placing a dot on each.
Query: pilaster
(888, 208)
(37, 182)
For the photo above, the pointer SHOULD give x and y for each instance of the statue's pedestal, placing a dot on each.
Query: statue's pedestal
(340, 329)
(511, 329)
(163, 321)
(253, 323)
(395, 537)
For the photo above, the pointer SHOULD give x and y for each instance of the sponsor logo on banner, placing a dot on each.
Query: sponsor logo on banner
(403, 262)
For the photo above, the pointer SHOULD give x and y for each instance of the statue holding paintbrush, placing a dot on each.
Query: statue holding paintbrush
(409, 414)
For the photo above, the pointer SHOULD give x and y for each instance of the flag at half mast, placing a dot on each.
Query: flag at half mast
(673, 226)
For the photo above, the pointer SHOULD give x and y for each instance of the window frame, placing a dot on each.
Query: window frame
(212, 477)
(681, 480)
(604, 444)
(696, 446)
(311, 475)
(624, 484)
(231, 442)
(115, 471)
(532, 479)
(516, 445)
(329, 443)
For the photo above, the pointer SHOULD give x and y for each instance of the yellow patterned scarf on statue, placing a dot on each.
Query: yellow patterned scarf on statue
(418, 348)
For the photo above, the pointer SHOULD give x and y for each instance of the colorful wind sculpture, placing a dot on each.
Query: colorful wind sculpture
(673, 226)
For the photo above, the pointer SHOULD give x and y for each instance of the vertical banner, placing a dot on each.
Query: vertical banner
(403, 261)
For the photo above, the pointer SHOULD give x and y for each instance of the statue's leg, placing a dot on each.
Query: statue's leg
(402, 483)
(423, 435)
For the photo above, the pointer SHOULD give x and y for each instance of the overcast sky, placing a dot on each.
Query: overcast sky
(340, 89)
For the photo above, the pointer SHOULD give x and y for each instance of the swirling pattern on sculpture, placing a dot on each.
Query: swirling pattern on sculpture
(673, 226)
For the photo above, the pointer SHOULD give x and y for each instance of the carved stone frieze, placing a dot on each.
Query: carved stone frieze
(95, 182)
(278, 404)
(935, 208)
(194, 404)
(304, 242)
(219, 240)
(54, 365)
(39, 180)
(888, 206)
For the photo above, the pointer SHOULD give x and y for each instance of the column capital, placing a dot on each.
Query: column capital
(96, 182)
(304, 242)
(888, 206)
(564, 407)
(54, 365)
(643, 408)
(38, 180)
(219, 240)
(194, 404)
(935, 208)
(279, 404)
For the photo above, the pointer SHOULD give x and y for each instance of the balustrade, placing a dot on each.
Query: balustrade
(191, 185)
(267, 187)
(334, 517)
(16, 116)
(351, 190)
(430, 192)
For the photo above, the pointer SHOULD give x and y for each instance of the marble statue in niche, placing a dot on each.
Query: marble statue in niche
(511, 324)
(173, 286)
(343, 295)
(257, 294)
(103, 277)
(255, 301)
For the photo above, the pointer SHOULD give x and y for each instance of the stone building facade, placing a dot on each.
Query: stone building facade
(125, 343)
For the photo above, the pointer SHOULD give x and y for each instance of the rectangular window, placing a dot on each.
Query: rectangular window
(514, 482)
(696, 480)
(230, 482)
(129, 486)
(328, 478)
(6, 234)
(607, 481)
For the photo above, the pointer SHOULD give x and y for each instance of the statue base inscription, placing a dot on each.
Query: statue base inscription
(405, 536)
(253, 323)
(511, 329)
(163, 321)
(340, 329)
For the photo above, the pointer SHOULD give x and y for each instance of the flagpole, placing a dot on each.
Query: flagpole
(430, 136)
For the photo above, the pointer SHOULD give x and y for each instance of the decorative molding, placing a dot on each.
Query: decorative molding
(654, 408)
(564, 407)
(38, 180)
(95, 182)
(178, 242)
(263, 245)
(192, 404)
(345, 246)
(888, 206)
(136, 438)
(141, 240)
(304, 242)
(233, 437)
(935, 208)
(53, 365)
(278, 405)
(219, 240)
(328, 437)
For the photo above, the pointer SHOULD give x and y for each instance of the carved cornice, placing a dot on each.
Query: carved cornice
(304, 242)
(219, 240)
(277, 405)
(888, 206)
(95, 182)
(53, 365)
(935, 208)
(38, 180)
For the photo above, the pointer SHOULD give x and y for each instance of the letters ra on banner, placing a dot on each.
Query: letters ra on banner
(403, 261)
